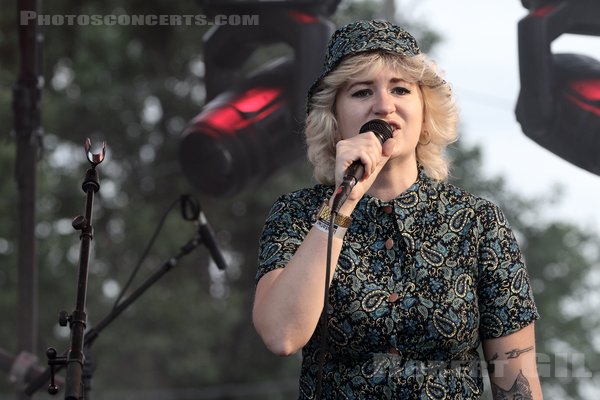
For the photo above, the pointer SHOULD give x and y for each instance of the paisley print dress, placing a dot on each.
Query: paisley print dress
(420, 281)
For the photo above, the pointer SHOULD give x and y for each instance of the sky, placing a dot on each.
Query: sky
(479, 57)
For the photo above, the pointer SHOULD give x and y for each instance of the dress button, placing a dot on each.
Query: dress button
(387, 209)
(389, 243)
(393, 297)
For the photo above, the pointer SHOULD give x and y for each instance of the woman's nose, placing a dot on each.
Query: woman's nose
(383, 103)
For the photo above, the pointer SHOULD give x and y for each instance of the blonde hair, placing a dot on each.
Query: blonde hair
(440, 112)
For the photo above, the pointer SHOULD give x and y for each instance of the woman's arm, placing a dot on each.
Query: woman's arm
(512, 366)
(288, 301)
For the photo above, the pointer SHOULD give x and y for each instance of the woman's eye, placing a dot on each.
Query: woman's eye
(361, 93)
(401, 90)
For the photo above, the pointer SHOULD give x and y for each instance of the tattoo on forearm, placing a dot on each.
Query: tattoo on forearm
(520, 390)
(514, 353)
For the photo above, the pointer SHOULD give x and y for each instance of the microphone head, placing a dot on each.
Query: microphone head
(379, 127)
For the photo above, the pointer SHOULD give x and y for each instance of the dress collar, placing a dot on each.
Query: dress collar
(421, 189)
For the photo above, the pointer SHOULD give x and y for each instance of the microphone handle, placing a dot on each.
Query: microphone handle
(353, 174)
(210, 242)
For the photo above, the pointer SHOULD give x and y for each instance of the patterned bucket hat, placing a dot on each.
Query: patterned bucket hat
(364, 36)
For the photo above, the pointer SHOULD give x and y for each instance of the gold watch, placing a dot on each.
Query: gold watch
(343, 221)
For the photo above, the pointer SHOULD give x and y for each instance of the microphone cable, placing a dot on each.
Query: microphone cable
(324, 320)
(187, 215)
(383, 131)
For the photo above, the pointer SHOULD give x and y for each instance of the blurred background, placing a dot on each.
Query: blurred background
(139, 88)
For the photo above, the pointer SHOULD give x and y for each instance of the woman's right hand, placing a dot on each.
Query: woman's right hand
(367, 148)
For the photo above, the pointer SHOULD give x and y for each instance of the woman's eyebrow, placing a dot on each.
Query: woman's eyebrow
(370, 81)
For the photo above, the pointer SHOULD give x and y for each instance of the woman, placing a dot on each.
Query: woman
(423, 272)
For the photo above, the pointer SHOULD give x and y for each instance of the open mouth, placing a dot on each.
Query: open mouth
(394, 125)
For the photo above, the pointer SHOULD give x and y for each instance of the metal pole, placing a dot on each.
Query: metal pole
(27, 116)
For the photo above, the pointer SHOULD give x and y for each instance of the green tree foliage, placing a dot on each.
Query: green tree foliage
(136, 87)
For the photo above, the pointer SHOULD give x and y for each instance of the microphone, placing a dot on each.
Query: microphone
(192, 210)
(383, 131)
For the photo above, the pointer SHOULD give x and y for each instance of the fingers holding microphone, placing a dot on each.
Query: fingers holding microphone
(364, 148)
(359, 159)
(388, 148)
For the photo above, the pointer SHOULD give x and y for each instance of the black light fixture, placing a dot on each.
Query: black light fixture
(559, 100)
(251, 125)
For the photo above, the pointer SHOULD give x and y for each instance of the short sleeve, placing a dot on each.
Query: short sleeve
(506, 301)
(286, 225)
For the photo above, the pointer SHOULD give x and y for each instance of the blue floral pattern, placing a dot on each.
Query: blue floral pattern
(420, 281)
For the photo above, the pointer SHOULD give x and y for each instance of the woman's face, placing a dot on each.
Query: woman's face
(383, 95)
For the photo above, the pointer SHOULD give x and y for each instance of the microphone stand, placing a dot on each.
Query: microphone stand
(55, 362)
(75, 358)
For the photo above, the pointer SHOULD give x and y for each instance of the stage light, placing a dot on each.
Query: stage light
(251, 126)
(242, 136)
(559, 100)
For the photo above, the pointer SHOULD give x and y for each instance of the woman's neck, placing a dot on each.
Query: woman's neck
(395, 177)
